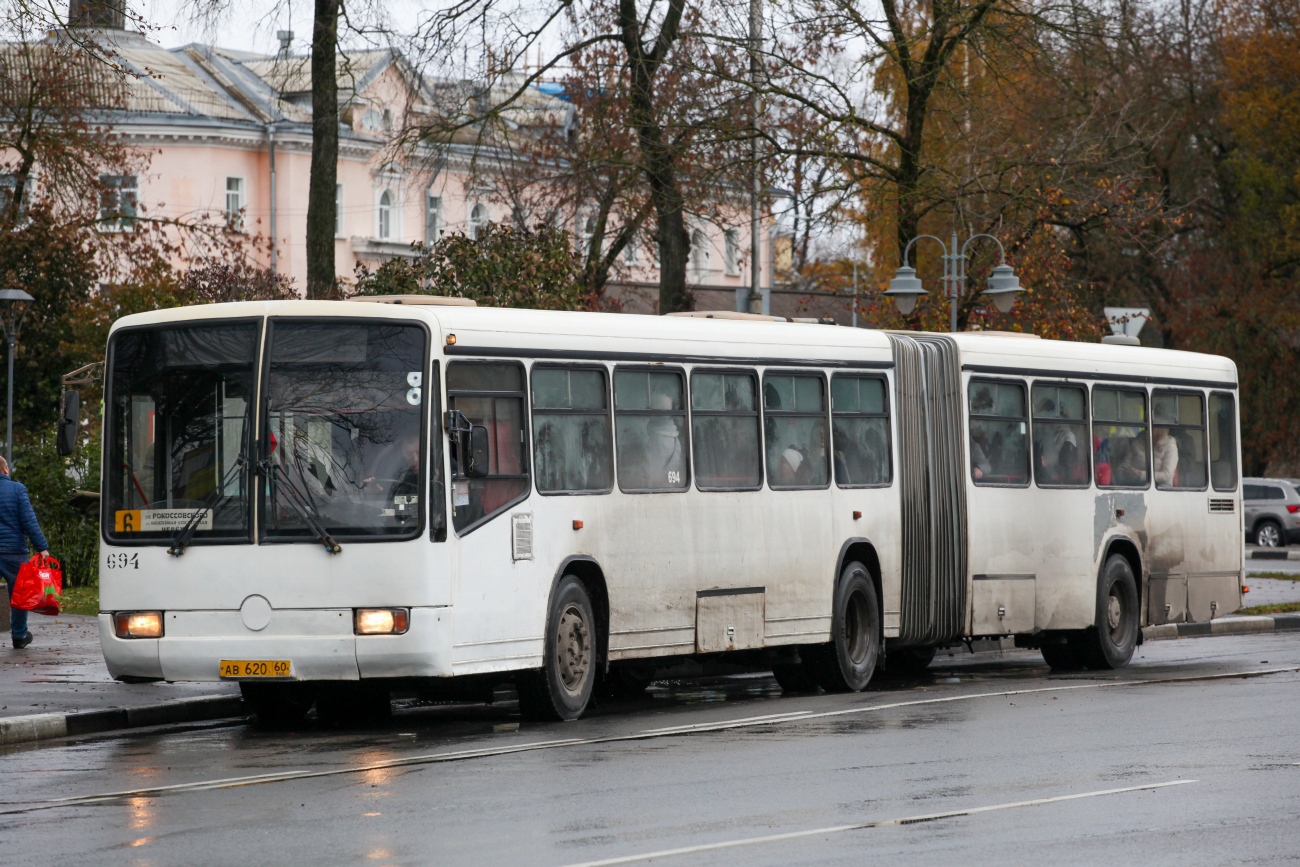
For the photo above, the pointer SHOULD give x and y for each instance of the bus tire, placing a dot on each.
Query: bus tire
(278, 705)
(561, 689)
(1110, 644)
(847, 663)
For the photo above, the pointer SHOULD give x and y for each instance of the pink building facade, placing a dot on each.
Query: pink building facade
(229, 138)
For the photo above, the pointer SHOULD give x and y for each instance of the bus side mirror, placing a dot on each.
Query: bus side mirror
(69, 424)
(477, 465)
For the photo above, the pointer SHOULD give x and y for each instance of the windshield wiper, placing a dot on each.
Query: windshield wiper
(299, 502)
(183, 536)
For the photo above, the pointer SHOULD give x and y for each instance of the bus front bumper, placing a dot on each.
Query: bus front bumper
(318, 643)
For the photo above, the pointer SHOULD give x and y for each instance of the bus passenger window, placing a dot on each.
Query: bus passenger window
(1060, 436)
(860, 423)
(724, 419)
(491, 394)
(572, 442)
(1119, 438)
(797, 453)
(1178, 440)
(1223, 441)
(999, 435)
(650, 425)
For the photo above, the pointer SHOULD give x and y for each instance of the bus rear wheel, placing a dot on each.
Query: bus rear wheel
(562, 689)
(278, 705)
(847, 663)
(1110, 644)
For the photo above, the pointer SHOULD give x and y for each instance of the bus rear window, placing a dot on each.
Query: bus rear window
(1223, 442)
(178, 431)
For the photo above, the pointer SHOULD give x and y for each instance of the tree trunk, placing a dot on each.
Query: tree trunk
(322, 281)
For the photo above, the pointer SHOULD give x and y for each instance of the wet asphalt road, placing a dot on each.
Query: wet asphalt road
(722, 764)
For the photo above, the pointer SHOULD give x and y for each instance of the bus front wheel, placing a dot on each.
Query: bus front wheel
(562, 689)
(847, 663)
(1110, 644)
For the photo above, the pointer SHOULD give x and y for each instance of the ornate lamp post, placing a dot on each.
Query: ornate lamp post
(13, 306)
(906, 287)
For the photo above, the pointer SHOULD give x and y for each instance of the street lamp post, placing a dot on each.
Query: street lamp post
(13, 306)
(906, 287)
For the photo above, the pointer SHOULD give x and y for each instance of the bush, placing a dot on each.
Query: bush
(51, 482)
(504, 267)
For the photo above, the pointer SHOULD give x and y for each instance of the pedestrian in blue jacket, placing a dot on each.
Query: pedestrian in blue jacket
(17, 526)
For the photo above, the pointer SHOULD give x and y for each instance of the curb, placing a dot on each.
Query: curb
(1281, 554)
(1224, 626)
(46, 726)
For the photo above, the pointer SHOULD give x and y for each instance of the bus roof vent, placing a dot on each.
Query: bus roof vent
(434, 300)
(1121, 340)
(1024, 334)
(747, 317)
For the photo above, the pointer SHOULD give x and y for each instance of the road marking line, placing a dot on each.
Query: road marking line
(646, 734)
(836, 829)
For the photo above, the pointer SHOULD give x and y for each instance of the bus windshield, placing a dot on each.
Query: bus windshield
(343, 429)
(178, 430)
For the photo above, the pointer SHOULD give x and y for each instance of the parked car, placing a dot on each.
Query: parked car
(1272, 508)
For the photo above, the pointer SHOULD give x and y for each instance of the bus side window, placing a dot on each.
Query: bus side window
(795, 409)
(724, 432)
(650, 427)
(1060, 436)
(1223, 441)
(1178, 440)
(999, 433)
(860, 423)
(572, 442)
(490, 394)
(1119, 438)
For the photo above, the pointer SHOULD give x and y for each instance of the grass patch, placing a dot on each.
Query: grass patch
(1280, 576)
(81, 600)
(1280, 608)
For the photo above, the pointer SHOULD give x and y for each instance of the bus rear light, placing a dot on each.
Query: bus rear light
(381, 621)
(138, 624)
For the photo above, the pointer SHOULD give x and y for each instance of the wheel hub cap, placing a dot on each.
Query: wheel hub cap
(573, 646)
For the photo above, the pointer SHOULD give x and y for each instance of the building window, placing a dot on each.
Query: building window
(119, 202)
(630, 252)
(432, 219)
(732, 252)
(520, 218)
(8, 189)
(478, 217)
(338, 210)
(235, 204)
(386, 215)
(699, 252)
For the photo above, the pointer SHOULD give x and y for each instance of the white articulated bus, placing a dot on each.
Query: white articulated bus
(327, 501)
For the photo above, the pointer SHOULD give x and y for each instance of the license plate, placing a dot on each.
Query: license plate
(256, 668)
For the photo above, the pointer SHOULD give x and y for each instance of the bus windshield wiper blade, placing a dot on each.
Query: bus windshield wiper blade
(297, 500)
(183, 536)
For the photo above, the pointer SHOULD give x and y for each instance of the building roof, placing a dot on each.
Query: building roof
(205, 83)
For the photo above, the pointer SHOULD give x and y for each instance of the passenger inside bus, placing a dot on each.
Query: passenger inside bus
(1164, 456)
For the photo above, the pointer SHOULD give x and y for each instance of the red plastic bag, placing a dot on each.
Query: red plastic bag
(39, 586)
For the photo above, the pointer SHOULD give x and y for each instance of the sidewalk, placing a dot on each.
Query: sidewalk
(60, 686)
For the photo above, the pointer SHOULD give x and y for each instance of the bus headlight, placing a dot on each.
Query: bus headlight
(138, 624)
(381, 621)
